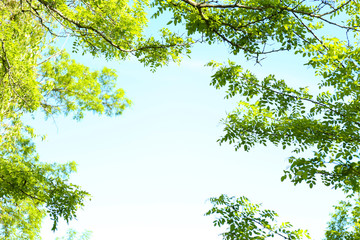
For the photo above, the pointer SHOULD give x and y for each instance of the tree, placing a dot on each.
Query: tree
(37, 75)
(245, 220)
(345, 221)
(323, 122)
(326, 123)
(20, 219)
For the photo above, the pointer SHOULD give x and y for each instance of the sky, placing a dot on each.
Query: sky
(151, 170)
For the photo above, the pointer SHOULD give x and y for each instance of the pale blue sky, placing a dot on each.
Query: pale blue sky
(151, 169)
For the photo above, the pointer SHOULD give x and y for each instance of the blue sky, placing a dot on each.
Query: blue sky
(151, 170)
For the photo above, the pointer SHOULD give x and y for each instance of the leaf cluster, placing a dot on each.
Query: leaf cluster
(37, 75)
(245, 220)
(321, 126)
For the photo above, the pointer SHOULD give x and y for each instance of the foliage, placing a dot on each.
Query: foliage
(326, 123)
(37, 75)
(345, 222)
(20, 219)
(245, 220)
(321, 125)
(73, 235)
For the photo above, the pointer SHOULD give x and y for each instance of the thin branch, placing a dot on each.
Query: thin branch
(236, 5)
(55, 54)
(281, 8)
(102, 35)
(336, 9)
